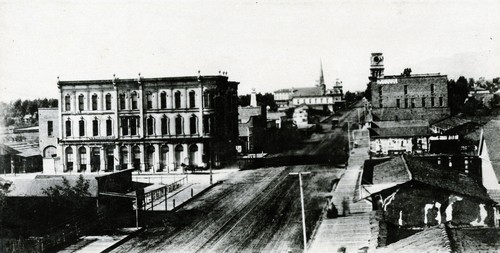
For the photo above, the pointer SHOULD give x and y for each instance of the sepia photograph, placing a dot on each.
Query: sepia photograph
(346, 126)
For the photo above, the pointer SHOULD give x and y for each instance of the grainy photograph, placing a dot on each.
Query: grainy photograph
(249, 126)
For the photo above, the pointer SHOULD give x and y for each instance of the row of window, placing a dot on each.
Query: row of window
(412, 102)
(130, 125)
(95, 159)
(310, 100)
(208, 101)
(405, 89)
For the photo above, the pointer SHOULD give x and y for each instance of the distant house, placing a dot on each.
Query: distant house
(301, 117)
(397, 137)
(454, 125)
(252, 124)
(413, 192)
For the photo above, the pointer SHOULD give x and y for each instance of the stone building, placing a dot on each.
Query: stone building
(407, 96)
(148, 124)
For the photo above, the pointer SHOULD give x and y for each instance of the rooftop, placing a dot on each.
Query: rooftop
(153, 79)
(25, 149)
(451, 122)
(33, 187)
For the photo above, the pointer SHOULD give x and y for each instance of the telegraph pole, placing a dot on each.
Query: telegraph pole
(302, 205)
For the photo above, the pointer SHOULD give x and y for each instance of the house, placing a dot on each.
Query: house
(413, 192)
(454, 125)
(24, 158)
(252, 124)
(396, 137)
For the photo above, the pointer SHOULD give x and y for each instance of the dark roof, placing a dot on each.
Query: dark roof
(399, 131)
(432, 239)
(391, 171)
(25, 149)
(427, 173)
(308, 91)
(430, 174)
(451, 122)
(454, 239)
(491, 135)
(475, 239)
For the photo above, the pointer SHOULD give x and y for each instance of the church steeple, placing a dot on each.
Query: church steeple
(321, 82)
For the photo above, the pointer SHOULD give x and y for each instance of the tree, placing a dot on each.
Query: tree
(349, 97)
(67, 197)
(368, 91)
(457, 93)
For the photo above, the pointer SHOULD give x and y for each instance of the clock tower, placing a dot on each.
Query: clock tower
(377, 67)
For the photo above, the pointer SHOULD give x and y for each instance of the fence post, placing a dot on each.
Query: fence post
(191, 192)
(173, 200)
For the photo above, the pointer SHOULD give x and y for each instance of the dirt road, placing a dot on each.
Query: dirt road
(253, 211)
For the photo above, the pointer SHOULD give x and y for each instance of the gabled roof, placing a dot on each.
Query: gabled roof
(6, 150)
(432, 239)
(451, 122)
(491, 137)
(33, 187)
(25, 149)
(307, 91)
(426, 173)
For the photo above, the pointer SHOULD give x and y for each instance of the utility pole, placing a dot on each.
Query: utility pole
(349, 136)
(302, 205)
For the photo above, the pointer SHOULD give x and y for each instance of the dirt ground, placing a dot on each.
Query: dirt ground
(252, 211)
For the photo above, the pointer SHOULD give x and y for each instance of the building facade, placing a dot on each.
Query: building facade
(148, 124)
(407, 96)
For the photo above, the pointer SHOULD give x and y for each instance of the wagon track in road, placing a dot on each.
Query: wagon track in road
(225, 231)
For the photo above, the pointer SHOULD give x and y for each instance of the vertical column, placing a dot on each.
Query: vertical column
(129, 157)
(142, 164)
(63, 158)
(100, 105)
(200, 154)
(102, 156)
(116, 154)
(171, 157)
(88, 155)
(170, 98)
(127, 100)
(74, 97)
(185, 96)
(156, 158)
(185, 154)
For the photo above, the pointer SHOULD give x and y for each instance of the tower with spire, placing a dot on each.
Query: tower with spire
(321, 81)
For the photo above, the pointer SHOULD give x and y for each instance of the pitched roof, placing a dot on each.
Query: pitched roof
(307, 91)
(6, 150)
(426, 173)
(450, 123)
(399, 132)
(430, 174)
(432, 239)
(400, 123)
(25, 149)
(475, 239)
(492, 140)
(33, 187)
(391, 171)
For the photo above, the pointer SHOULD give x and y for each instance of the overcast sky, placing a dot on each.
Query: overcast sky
(265, 45)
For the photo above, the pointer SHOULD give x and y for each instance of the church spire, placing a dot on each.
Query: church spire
(321, 77)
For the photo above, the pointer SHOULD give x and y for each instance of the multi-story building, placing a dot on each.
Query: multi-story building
(407, 96)
(149, 124)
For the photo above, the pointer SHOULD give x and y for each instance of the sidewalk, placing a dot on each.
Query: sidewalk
(353, 230)
(98, 243)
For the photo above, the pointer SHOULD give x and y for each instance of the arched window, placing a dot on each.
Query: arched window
(178, 156)
(94, 102)
(208, 99)
(95, 159)
(193, 155)
(134, 122)
(122, 101)
(123, 158)
(165, 125)
(208, 124)
(164, 158)
(150, 150)
(69, 159)
(432, 88)
(67, 103)
(68, 127)
(108, 101)
(177, 99)
(81, 127)
(80, 102)
(192, 99)
(150, 123)
(136, 157)
(149, 99)
(83, 159)
(50, 152)
(134, 100)
(95, 127)
(109, 127)
(193, 124)
(163, 100)
(178, 124)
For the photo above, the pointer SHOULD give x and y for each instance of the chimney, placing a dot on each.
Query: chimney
(253, 98)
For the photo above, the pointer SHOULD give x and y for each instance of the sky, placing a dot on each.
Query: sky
(266, 45)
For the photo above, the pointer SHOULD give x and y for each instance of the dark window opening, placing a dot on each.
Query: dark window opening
(80, 103)
(163, 100)
(193, 129)
(94, 102)
(133, 126)
(109, 127)
(67, 104)
(68, 128)
(150, 101)
(108, 102)
(164, 125)
(95, 127)
(192, 100)
(124, 126)
(177, 99)
(50, 128)
(122, 101)
(134, 101)
(81, 127)
(150, 125)
(178, 125)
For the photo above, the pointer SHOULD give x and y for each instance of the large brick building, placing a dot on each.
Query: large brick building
(407, 96)
(150, 124)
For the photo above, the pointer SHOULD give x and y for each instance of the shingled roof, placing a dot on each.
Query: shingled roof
(426, 173)
(491, 137)
(432, 239)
